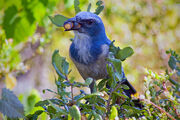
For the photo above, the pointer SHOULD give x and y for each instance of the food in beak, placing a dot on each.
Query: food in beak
(68, 26)
(71, 26)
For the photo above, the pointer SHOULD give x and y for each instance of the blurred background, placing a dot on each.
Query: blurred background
(28, 39)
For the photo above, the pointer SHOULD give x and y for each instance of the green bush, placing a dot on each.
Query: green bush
(160, 100)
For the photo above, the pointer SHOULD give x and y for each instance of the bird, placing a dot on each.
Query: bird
(90, 48)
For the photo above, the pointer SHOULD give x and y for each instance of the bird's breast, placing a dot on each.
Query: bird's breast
(95, 67)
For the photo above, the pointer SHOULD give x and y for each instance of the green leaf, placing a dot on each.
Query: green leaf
(58, 109)
(60, 64)
(120, 94)
(116, 64)
(125, 87)
(119, 76)
(71, 80)
(10, 105)
(78, 97)
(102, 108)
(110, 70)
(96, 116)
(51, 110)
(35, 115)
(134, 109)
(113, 49)
(46, 102)
(114, 113)
(172, 62)
(89, 7)
(10, 20)
(92, 95)
(75, 113)
(41, 11)
(76, 6)
(88, 81)
(99, 8)
(125, 53)
(58, 20)
(102, 84)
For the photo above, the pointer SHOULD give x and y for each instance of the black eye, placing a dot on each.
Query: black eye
(89, 22)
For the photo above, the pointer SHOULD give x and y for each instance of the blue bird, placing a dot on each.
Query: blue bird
(90, 47)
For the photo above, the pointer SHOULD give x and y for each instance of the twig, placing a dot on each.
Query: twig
(108, 103)
(109, 100)
(161, 109)
(72, 95)
(176, 112)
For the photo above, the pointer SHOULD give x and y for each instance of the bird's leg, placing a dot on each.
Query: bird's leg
(92, 88)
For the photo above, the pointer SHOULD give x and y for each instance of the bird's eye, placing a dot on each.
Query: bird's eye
(89, 22)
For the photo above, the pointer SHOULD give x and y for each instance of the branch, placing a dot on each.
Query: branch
(158, 107)
(72, 95)
(109, 100)
(108, 104)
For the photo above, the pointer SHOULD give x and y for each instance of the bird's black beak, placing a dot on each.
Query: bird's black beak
(71, 24)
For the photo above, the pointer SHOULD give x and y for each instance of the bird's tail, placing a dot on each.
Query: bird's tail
(131, 89)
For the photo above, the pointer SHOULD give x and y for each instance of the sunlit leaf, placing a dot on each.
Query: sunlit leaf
(125, 53)
(114, 113)
(75, 113)
(102, 84)
(10, 20)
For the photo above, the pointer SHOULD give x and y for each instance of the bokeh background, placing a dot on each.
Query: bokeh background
(28, 39)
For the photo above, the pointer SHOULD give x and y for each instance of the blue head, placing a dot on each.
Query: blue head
(89, 36)
(87, 23)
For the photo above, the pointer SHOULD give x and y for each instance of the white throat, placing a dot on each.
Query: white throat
(82, 42)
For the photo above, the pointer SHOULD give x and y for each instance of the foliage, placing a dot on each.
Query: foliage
(160, 99)
(99, 8)
(29, 100)
(94, 105)
(20, 21)
(174, 61)
(59, 20)
(10, 105)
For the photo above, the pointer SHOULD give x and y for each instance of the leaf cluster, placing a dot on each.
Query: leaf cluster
(59, 20)
(20, 20)
(66, 105)
(160, 100)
